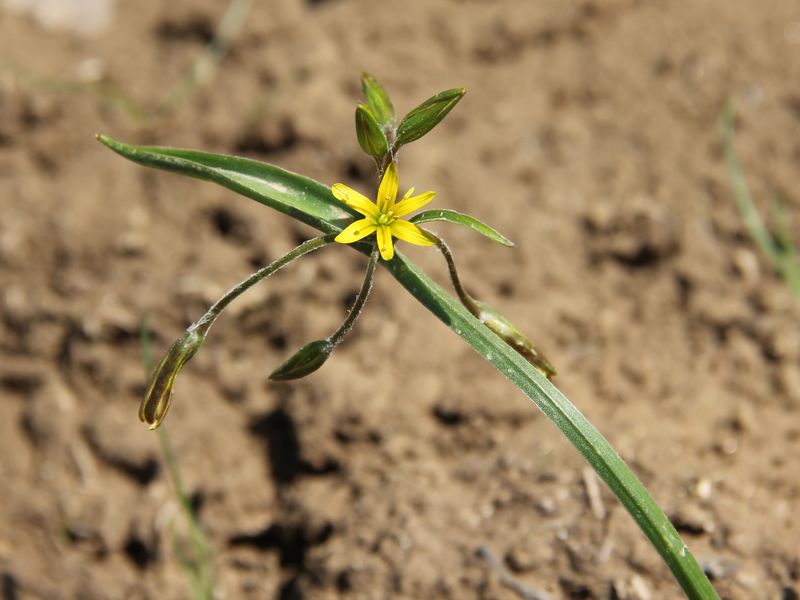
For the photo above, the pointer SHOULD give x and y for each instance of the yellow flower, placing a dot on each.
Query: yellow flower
(383, 215)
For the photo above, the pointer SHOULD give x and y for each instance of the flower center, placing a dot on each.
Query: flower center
(386, 218)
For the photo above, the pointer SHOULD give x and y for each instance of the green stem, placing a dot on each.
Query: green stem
(202, 326)
(358, 306)
(465, 298)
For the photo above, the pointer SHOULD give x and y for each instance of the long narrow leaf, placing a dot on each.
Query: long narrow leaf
(296, 195)
(451, 216)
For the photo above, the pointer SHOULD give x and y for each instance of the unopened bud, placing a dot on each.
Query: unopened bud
(305, 361)
(512, 336)
(157, 399)
(378, 101)
(369, 133)
(427, 115)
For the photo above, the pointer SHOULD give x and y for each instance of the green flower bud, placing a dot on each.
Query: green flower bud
(370, 135)
(157, 399)
(512, 336)
(427, 115)
(378, 101)
(305, 361)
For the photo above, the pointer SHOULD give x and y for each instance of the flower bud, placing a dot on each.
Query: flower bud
(378, 101)
(427, 115)
(305, 361)
(369, 133)
(512, 336)
(157, 399)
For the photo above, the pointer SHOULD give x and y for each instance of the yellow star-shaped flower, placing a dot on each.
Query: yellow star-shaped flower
(383, 215)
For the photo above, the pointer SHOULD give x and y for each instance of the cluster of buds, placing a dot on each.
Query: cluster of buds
(377, 130)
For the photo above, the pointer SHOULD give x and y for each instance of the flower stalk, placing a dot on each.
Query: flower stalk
(158, 397)
(314, 354)
(491, 318)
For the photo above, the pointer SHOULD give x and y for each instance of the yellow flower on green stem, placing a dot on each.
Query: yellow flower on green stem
(382, 217)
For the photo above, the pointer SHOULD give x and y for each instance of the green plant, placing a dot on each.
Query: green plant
(778, 247)
(483, 328)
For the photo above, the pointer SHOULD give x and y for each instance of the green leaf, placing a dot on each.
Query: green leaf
(427, 115)
(294, 195)
(378, 101)
(304, 362)
(369, 133)
(451, 216)
(275, 187)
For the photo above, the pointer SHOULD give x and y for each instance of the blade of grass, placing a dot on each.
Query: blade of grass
(311, 202)
(143, 112)
(779, 251)
(790, 266)
(213, 54)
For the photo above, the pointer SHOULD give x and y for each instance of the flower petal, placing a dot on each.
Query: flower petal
(355, 231)
(408, 232)
(387, 192)
(355, 200)
(409, 205)
(385, 243)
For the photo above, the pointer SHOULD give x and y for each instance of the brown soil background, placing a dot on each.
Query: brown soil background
(589, 135)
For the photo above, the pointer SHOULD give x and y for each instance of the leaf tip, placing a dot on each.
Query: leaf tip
(106, 141)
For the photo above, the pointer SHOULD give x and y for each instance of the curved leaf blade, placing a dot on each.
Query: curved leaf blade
(575, 427)
(300, 197)
(451, 216)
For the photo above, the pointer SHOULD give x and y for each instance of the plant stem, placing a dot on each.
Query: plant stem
(202, 326)
(465, 298)
(358, 306)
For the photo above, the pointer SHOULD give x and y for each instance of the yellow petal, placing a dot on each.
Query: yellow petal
(385, 243)
(355, 231)
(409, 205)
(354, 199)
(387, 192)
(408, 232)
(408, 192)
